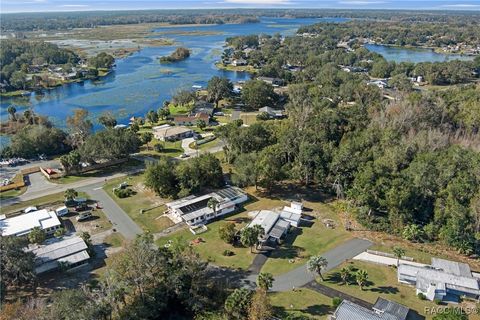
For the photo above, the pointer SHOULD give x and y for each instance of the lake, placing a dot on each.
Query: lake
(399, 54)
(140, 83)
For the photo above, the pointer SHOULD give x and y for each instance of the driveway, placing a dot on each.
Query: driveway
(38, 182)
(300, 276)
(120, 220)
(7, 172)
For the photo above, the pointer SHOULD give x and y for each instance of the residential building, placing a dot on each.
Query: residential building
(239, 62)
(442, 280)
(275, 224)
(382, 310)
(204, 107)
(273, 113)
(22, 224)
(71, 251)
(191, 120)
(171, 133)
(272, 81)
(194, 210)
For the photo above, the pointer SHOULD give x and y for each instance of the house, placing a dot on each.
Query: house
(293, 213)
(171, 133)
(442, 280)
(22, 224)
(273, 223)
(382, 84)
(71, 251)
(239, 62)
(273, 113)
(191, 120)
(382, 310)
(204, 107)
(194, 210)
(272, 81)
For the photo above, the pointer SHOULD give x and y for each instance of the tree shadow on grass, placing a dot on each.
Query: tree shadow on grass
(385, 290)
(315, 310)
(287, 250)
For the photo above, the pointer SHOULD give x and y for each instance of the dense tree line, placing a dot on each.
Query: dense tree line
(179, 54)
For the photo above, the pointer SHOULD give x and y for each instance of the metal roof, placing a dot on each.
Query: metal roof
(279, 229)
(24, 223)
(348, 310)
(266, 219)
(391, 307)
(453, 267)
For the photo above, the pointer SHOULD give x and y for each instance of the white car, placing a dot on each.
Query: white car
(61, 211)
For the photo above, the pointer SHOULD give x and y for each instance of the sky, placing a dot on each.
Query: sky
(90, 5)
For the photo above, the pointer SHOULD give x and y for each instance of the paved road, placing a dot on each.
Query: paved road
(300, 276)
(120, 220)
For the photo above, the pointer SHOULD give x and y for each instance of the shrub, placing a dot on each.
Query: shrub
(158, 147)
(59, 232)
(228, 253)
(421, 296)
(123, 193)
(336, 302)
(437, 301)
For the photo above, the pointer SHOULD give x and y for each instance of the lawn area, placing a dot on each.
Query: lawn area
(249, 117)
(145, 199)
(417, 255)
(52, 199)
(115, 240)
(213, 247)
(382, 282)
(310, 239)
(205, 146)
(170, 148)
(302, 302)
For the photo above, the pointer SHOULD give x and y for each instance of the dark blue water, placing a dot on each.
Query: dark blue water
(415, 55)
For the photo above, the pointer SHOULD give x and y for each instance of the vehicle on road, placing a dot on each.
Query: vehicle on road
(84, 216)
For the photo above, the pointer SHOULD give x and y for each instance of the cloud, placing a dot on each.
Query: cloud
(259, 2)
(361, 3)
(74, 5)
(461, 5)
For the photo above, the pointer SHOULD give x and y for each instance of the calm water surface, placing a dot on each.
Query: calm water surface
(415, 55)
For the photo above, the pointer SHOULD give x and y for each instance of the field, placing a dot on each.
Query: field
(144, 199)
(301, 302)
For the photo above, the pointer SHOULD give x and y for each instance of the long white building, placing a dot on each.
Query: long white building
(22, 224)
(194, 210)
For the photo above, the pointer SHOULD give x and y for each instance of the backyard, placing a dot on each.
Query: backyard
(150, 218)
(301, 302)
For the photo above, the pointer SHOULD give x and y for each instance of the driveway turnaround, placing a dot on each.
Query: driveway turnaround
(120, 220)
(300, 276)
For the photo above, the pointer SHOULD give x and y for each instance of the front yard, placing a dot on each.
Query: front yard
(301, 302)
(150, 219)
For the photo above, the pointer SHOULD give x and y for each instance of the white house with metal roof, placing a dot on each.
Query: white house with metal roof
(71, 251)
(382, 310)
(442, 280)
(24, 223)
(194, 210)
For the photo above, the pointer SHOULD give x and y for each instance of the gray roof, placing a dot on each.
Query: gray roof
(348, 310)
(279, 229)
(393, 308)
(453, 267)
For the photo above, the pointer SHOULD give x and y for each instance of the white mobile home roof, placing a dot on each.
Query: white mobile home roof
(266, 219)
(22, 224)
(457, 268)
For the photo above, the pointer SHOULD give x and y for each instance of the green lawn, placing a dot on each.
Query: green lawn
(302, 302)
(170, 148)
(213, 247)
(382, 283)
(115, 240)
(310, 239)
(150, 219)
(55, 199)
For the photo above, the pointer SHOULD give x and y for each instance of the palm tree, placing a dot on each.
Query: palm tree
(212, 204)
(70, 194)
(398, 252)
(361, 276)
(12, 111)
(345, 274)
(265, 281)
(316, 264)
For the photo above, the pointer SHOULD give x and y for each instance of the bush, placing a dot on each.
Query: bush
(437, 301)
(158, 147)
(336, 302)
(59, 232)
(421, 296)
(123, 193)
(228, 253)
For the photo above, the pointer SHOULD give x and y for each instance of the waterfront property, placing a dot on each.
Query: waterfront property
(195, 210)
(442, 280)
(191, 120)
(382, 310)
(171, 133)
(22, 224)
(69, 251)
(272, 81)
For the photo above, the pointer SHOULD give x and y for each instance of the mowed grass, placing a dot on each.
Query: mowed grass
(115, 240)
(382, 282)
(52, 199)
(311, 238)
(301, 302)
(151, 219)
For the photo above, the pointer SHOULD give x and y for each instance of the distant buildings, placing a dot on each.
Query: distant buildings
(22, 224)
(382, 310)
(272, 81)
(191, 120)
(70, 252)
(272, 113)
(194, 210)
(171, 133)
(442, 280)
(239, 62)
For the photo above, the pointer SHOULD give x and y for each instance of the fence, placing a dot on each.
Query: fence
(388, 255)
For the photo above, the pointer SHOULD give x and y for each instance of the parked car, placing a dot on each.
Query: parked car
(61, 211)
(84, 216)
